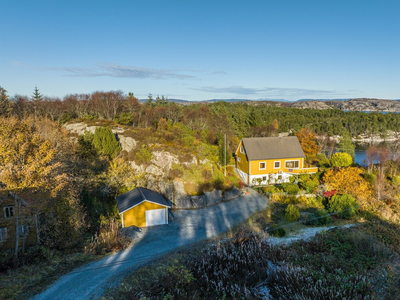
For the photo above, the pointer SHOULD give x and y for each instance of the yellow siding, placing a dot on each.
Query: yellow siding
(255, 166)
(243, 165)
(136, 216)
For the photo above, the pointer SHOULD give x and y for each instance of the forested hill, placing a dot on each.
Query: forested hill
(358, 104)
(236, 119)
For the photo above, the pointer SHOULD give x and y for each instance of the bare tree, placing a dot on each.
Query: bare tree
(107, 104)
(371, 156)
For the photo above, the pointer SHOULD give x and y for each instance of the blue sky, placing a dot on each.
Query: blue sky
(198, 50)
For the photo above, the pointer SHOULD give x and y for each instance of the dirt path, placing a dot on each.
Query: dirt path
(189, 226)
(303, 234)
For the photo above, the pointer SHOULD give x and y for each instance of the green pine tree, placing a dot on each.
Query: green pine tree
(5, 104)
(346, 144)
(36, 96)
(105, 142)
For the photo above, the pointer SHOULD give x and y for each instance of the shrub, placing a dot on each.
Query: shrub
(292, 214)
(105, 142)
(395, 180)
(370, 178)
(320, 217)
(341, 159)
(329, 194)
(310, 201)
(108, 239)
(86, 148)
(276, 231)
(310, 185)
(290, 188)
(143, 155)
(338, 203)
(124, 119)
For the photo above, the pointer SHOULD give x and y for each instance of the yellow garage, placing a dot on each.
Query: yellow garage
(142, 207)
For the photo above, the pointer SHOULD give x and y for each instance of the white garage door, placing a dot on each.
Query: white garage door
(155, 217)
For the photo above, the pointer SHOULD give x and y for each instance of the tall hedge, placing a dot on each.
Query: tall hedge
(105, 142)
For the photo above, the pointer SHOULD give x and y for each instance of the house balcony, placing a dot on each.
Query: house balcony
(307, 170)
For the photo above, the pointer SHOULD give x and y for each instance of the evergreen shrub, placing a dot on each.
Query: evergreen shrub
(290, 188)
(105, 142)
(343, 202)
(292, 214)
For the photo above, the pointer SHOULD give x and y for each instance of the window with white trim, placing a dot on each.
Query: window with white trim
(264, 178)
(277, 164)
(238, 159)
(241, 149)
(8, 211)
(263, 165)
(23, 231)
(292, 164)
(3, 234)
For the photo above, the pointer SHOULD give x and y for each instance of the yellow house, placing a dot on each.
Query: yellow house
(142, 207)
(270, 160)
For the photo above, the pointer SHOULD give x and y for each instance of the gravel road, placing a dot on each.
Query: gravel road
(188, 226)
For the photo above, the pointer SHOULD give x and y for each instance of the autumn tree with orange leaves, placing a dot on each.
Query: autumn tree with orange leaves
(308, 141)
(348, 181)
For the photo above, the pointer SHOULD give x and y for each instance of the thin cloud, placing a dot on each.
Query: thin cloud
(218, 73)
(120, 71)
(268, 91)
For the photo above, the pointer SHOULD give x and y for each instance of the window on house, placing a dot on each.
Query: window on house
(8, 211)
(263, 165)
(290, 164)
(277, 165)
(3, 234)
(264, 178)
(238, 159)
(241, 149)
(23, 231)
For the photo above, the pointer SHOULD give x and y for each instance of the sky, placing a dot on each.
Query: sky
(199, 50)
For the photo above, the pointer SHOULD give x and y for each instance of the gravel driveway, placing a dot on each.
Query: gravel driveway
(188, 226)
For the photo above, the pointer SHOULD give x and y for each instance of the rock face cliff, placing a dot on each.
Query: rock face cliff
(361, 104)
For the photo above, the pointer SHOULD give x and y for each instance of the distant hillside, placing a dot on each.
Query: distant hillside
(359, 104)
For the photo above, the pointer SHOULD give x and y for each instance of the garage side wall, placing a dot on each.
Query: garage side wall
(136, 216)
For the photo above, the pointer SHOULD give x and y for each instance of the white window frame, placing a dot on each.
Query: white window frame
(298, 161)
(8, 210)
(264, 178)
(241, 149)
(238, 159)
(3, 234)
(278, 163)
(265, 164)
(23, 231)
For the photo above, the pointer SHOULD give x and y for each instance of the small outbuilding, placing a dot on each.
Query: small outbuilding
(142, 207)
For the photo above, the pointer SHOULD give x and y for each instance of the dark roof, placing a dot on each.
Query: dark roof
(138, 195)
(272, 148)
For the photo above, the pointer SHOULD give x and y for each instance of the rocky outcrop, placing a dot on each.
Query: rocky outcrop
(79, 128)
(164, 159)
(314, 104)
(174, 191)
(361, 104)
(365, 104)
(127, 143)
(154, 170)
